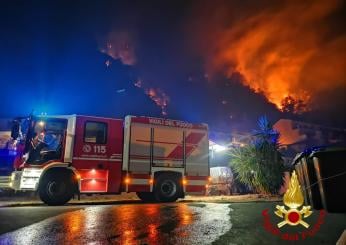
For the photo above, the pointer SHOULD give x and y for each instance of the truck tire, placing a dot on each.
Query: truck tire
(167, 188)
(146, 196)
(56, 189)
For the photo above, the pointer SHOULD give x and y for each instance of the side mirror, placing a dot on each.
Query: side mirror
(15, 130)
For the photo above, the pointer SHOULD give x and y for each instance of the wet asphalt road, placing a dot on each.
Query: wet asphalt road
(176, 223)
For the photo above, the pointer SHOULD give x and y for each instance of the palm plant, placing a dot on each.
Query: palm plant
(260, 164)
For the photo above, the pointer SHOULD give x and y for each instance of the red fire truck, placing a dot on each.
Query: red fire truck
(159, 159)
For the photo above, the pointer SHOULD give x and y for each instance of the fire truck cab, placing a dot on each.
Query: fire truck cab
(159, 159)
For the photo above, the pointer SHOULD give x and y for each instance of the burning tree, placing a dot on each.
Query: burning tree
(259, 164)
(290, 105)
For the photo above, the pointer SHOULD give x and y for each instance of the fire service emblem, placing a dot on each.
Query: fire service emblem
(293, 199)
(86, 148)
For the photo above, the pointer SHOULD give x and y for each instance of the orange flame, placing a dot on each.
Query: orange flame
(157, 95)
(293, 197)
(283, 50)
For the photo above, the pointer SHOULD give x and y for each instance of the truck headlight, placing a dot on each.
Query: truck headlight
(13, 177)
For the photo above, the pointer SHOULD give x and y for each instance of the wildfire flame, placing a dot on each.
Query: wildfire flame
(157, 95)
(120, 45)
(286, 50)
(293, 197)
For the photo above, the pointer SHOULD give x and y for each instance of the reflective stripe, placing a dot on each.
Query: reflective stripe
(139, 176)
(196, 177)
(198, 193)
(139, 182)
(97, 159)
(196, 182)
(138, 160)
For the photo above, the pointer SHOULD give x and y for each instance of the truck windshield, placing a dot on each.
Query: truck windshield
(45, 140)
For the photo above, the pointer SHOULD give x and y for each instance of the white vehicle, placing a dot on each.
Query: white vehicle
(221, 181)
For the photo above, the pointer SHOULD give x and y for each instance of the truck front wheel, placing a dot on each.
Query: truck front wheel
(56, 189)
(167, 188)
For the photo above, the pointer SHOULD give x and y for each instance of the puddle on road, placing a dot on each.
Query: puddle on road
(177, 223)
(211, 221)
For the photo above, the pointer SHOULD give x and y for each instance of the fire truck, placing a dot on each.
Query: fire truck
(159, 159)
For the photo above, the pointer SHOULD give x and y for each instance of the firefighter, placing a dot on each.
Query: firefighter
(51, 140)
(46, 145)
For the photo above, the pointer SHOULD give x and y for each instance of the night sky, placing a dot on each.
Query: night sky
(187, 60)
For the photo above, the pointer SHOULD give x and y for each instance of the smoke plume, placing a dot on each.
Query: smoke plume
(119, 45)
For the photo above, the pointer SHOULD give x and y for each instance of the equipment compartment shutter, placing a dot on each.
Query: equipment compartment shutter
(168, 147)
(139, 148)
(196, 150)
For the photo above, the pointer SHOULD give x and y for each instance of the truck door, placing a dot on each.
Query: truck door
(92, 152)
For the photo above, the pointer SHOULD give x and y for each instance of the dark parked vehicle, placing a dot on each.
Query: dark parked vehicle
(322, 175)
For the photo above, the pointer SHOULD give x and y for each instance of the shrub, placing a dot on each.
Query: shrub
(259, 164)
